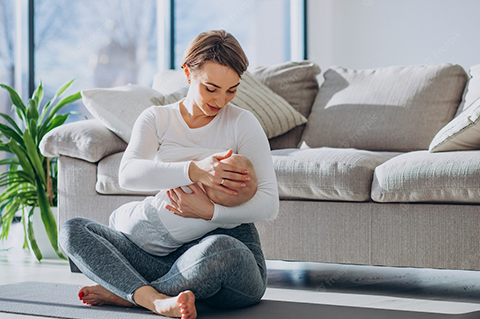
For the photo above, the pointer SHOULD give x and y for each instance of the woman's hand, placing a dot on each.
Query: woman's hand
(194, 205)
(218, 175)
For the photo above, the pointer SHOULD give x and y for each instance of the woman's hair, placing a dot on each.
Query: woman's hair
(218, 46)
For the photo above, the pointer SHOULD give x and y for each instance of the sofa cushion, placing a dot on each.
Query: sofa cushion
(386, 109)
(88, 140)
(273, 112)
(461, 133)
(326, 173)
(107, 177)
(429, 177)
(118, 108)
(297, 83)
(472, 90)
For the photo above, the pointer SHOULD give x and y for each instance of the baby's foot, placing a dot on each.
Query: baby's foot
(97, 295)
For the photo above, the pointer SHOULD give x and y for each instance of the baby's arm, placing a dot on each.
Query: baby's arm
(244, 193)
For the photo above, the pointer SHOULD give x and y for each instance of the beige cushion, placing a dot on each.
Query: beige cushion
(297, 83)
(462, 133)
(386, 109)
(88, 140)
(118, 108)
(107, 177)
(326, 173)
(273, 112)
(425, 177)
(472, 90)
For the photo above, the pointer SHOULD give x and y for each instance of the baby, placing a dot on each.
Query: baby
(244, 194)
(158, 231)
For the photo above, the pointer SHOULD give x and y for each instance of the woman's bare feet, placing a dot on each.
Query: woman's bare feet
(97, 295)
(181, 306)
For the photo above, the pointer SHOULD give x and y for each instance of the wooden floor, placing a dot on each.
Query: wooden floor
(425, 290)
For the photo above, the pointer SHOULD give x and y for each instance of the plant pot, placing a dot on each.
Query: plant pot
(41, 235)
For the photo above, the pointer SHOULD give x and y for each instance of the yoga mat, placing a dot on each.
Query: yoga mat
(61, 301)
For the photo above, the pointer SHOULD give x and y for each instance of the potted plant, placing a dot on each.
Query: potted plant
(30, 178)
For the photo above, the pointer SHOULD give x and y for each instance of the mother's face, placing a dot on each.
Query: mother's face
(212, 87)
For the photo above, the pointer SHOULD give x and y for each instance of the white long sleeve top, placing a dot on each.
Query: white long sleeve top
(162, 146)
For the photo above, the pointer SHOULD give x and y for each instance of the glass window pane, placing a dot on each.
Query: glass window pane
(262, 26)
(99, 43)
(7, 66)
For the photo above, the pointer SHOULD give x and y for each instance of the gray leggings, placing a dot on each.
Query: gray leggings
(225, 268)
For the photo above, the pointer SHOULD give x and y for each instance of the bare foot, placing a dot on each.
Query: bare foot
(97, 295)
(181, 306)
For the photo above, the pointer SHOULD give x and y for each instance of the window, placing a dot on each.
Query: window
(7, 64)
(99, 43)
(115, 42)
(263, 27)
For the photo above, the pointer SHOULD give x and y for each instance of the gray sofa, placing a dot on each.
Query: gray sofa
(386, 171)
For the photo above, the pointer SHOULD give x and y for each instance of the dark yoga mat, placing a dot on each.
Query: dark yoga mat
(61, 301)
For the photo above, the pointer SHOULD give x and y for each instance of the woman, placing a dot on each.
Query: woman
(225, 267)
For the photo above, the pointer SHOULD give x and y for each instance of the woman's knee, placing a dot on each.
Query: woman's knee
(71, 231)
(222, 244)
(227, 253)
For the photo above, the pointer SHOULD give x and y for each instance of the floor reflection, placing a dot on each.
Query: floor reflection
(434, 284)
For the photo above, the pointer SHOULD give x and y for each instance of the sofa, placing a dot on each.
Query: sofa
(374, 166)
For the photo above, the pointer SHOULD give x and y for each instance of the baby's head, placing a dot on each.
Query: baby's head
(244, 193)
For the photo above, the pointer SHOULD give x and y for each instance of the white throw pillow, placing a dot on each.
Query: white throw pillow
(118, 108)
(472, 90)
(462, 133)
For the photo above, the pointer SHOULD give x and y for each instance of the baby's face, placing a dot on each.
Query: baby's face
(244, 193)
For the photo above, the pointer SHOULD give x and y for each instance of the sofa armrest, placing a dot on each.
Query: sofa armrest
(88, 140)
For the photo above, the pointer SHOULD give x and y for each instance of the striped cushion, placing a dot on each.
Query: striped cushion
(275, 114)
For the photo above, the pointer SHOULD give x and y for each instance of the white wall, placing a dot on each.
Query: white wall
(378, 33)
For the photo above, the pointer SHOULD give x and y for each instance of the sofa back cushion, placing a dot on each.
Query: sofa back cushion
(385, 109)
(297, 83)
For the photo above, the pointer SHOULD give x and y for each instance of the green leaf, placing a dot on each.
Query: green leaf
(10, 210)
(32, 111)
(38, 95)
(12, 123)
(67, 100)
(11, 133)
(8, 161)
(44, 111)
(56, 121)
(31, 236)
(34, 155)
(48, 218)
(64, 88)
(17, 102)
(21, 154)
(50, 103)
(25, 230)
(32, 127)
